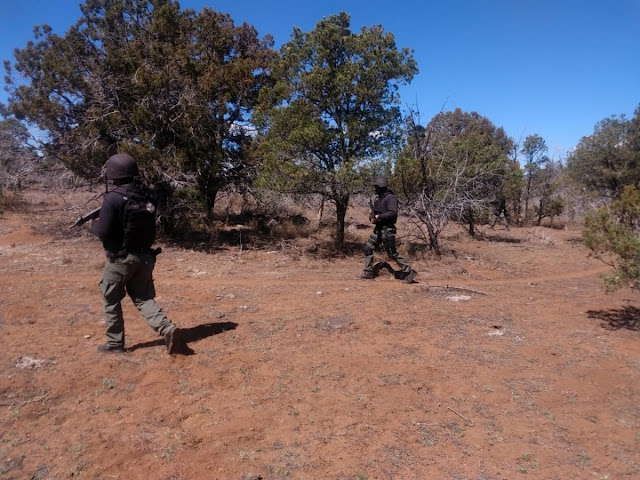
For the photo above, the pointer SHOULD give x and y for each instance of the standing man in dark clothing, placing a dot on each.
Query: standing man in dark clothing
(126, 226)
(501, 209)
(383, 214)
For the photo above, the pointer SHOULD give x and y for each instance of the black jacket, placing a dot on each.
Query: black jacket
(109, 226)
(386, 207)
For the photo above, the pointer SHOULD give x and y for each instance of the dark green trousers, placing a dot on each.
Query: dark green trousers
(383, 236)
(132, 275)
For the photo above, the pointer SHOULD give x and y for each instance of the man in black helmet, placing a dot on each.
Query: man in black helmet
(384, 213)
(126, 226)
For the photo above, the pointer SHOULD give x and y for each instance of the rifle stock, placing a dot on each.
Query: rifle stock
(92, 215)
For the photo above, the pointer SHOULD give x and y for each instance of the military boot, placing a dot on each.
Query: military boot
(176, 344)
(410, 277)
(173, 341)
(106, 348)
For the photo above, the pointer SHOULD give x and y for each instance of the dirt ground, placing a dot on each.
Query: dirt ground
(504, 360)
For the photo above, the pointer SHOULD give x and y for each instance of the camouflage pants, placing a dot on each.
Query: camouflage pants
(502, 212)
(131, 275)
(383, 236)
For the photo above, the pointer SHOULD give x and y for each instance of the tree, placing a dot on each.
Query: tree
(550, 204)
(173, 88)
(612, 232)
(534, 149)
(609, 159)
(333, 105)
(451, 169)
(18, 158)
(607, 164)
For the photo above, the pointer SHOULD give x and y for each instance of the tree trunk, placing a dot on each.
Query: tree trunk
(434, 241)
(320, 212)
(540, 212)
(211, 195)
(517, 209)
(526, 201)
(342, 202)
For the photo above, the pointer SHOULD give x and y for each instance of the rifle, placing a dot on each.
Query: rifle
(372, 212)
(92, 215)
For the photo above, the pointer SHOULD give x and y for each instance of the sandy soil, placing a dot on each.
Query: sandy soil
(504, 360)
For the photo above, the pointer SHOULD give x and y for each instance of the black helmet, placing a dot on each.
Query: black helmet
(121, 165)
(380, 181)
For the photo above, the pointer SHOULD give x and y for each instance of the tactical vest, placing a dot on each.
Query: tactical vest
(138, 219)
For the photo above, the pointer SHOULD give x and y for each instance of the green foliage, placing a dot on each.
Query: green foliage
(614, 230)
(455, 167)
(513, 185)
(334, 106)
(607, 164)
(548, 181)
(455, 144)
(534, 150)
(609, 159)
(171, 87)
(550, 206)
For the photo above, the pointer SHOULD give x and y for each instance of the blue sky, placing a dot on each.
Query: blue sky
(548, 67)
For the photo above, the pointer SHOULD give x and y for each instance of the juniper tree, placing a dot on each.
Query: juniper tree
(333, 105)
(173, 87)
(607, 164)
(454, 168)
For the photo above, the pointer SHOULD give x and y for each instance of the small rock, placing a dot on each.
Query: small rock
(459, 298)
(251, 476)
(338, 322)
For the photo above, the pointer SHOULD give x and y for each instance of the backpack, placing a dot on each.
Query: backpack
(139, 219)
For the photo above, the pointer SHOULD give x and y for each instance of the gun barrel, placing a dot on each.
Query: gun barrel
(93, 214)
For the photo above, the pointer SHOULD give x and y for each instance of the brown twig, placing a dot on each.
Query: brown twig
(458, 414)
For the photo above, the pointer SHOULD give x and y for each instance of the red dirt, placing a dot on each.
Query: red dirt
(303, 371)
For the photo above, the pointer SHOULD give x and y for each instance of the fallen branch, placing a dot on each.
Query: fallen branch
(458, 414)
(33, 400)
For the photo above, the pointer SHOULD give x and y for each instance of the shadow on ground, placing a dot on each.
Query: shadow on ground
(497, 237)
(192, 334)
(615, 319)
